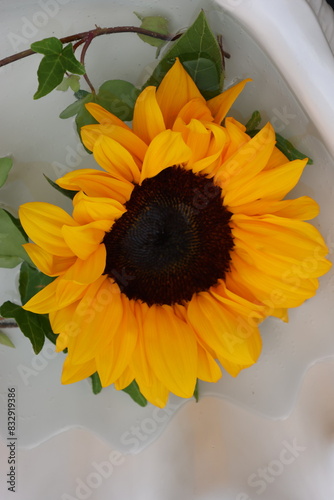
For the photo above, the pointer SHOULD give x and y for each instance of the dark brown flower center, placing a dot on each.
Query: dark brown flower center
(174, 239)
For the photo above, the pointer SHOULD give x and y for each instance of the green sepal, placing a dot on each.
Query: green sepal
(134, 392)
(96, 383)
(196, 392)
(66, 192)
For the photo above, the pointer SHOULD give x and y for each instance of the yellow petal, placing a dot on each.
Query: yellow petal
(195, 109)
(58, 294)
(223, 331)
(208, 370)
(156, 393)
(248, 161)
(166, 149)
(147, 117)
(124, 380)
(74, 373)
(84, 240)
(124, 136)
(271, 184)
(95, 183)
(115, 357)
(43, 223)
(115, 159)
(237, 137)
(97, 317)
(51, 265)
(87, 209)
(171, 349)
(208, 164)
(89, 270)
(175, 91)
(220, 105)
(303, 208)
(103, 116)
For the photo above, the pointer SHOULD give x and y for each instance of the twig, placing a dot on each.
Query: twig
(82, 37)
(4, 323)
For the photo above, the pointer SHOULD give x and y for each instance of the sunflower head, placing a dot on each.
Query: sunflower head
(176, 252)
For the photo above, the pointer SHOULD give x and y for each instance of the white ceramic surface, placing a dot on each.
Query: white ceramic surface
(292, 74)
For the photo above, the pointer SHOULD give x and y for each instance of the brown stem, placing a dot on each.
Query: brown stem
(94, 33)
(90, 37)
(5, 323)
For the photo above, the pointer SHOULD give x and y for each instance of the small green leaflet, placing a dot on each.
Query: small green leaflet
(12, 252)
(200, 54)
(72, 82)
(56, 62)
(5, 340)
(134, 391)
(116, 96)
(5, 166)
(158, 24)
(34, 326)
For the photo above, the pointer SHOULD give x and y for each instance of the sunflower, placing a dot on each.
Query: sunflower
(178, 250)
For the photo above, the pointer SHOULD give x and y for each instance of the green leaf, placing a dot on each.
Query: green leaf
(253, 122)
(18, 225)
(200, 54)
(5, 166)
(136, 395)
(72, 82)
(289, 150)
(48, 46)
(11, 241)
(118, 97)
(32, 325)
(50, 74)
(158, 24)
(65, 192)
(55, 63)
(69, 61)
(96, 383)
(4, 340)
(31, 281)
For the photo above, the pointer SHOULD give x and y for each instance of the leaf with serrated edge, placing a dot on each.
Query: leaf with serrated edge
(5, 166)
